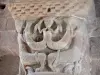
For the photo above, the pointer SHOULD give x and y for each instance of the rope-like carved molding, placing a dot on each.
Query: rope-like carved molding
(41, 8)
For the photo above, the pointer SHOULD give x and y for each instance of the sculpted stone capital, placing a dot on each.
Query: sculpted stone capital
(52, 35)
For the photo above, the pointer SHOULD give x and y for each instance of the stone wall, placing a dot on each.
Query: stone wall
(8, 43)
(95, 42)
(7, 32)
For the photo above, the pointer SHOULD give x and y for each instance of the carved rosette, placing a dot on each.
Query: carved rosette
(52, 35)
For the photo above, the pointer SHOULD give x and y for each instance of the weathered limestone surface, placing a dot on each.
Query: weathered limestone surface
(36, 30)
(95, 50)
(93, 29)
(94, 42)
(9, 59)
(95, 67)
(97, 4)
(9, 64)
(8, 32)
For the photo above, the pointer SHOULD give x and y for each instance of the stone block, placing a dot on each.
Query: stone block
(10, 24)
(8, 43)
(3, 22)
(8, 38)
(4, 50)
(9, 65)
(97, 7)
(95, 67)
(96, 30)
(4, 13)
(4, 1)
(95, 47)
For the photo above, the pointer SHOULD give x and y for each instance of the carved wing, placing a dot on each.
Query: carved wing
(61, 37)
(34, 37)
